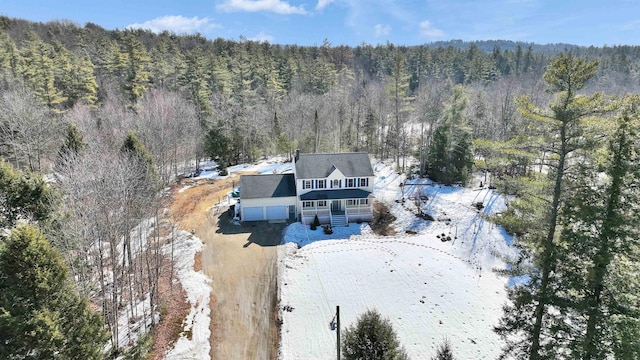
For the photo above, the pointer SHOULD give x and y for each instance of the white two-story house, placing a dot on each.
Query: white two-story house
(338, 188)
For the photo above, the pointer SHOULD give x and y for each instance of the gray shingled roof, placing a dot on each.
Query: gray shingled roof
(315, 166)
(267, 186)
(335, 194)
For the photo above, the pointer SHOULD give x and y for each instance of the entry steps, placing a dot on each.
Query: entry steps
(339, 220)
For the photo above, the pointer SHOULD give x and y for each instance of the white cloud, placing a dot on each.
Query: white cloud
(262, 37)
(323, 4)
(276, 6)
(382, 30)
(426, 30)
(176, 23)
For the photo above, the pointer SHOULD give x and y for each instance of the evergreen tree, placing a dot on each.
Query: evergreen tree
(372, 338)
(73, 142)
(136, 68)
(9, 58)
(596, 240)
(195, 81)
(450, 155)
(217, 146)
(23, 197)
(398, 87)
(38, 69)
(41, 316)
(444, 351)
(530, 323)
(83, 87)
(135, 148)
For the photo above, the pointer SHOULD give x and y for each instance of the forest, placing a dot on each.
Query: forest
(95, 123)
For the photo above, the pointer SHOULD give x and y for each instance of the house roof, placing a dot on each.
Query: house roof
(335, 194)
(267, 186)
(316, 166)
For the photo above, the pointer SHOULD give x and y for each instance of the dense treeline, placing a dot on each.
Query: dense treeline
(263, 97)
(116, 115)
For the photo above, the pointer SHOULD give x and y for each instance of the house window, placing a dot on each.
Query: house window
(351, 202)
(322, 203)
(351, 183)
(364, 201)
(306, 184)
(307, 204)
(336, 183)
(364, 182)
(322, 184)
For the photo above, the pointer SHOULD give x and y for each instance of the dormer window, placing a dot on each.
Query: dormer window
(336, 184)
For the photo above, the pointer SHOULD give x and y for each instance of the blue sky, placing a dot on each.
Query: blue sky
(351, 22)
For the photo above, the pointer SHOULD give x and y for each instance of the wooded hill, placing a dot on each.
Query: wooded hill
(116, 115)
(264, 97)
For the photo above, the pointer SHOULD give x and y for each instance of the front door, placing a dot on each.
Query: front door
(336, 205)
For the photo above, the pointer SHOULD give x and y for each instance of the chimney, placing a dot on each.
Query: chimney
(297, 155)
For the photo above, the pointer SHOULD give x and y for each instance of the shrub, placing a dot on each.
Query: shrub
(444, 351)
(372, 337)
(315, 223)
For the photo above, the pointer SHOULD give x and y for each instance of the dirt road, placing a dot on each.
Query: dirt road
(241, 261)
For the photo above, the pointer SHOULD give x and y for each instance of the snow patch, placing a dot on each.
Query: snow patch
(194, 339)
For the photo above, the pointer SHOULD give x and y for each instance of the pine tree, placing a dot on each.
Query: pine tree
(9, 58)
(41, 316)
(444, 351)
(23, 197)
(136, 149)
(217, 146)
(450, 155)
(73, 142)
(372, 338)
(398, 87)
(83, 87)
(596, 239)
(136, 70)
(195, 81)
(529, 324)
(38, 69)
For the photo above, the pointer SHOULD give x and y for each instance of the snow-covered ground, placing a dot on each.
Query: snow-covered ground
(429, 289)
(193, 342)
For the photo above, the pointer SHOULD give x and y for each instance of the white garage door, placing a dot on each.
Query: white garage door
(252, 214)
(276, 212)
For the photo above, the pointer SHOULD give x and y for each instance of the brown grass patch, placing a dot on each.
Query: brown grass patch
(174, 309)
(382, 219)
(197, 265)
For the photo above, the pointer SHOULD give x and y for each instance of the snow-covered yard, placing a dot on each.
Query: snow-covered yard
(429, 289)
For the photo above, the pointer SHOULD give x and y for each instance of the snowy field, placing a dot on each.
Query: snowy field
(429, 289)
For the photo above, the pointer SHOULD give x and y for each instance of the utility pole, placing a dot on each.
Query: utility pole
(338, 330)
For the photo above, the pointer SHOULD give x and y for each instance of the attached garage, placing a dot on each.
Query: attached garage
(267, 197)
(277, 212)
(251, 213)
